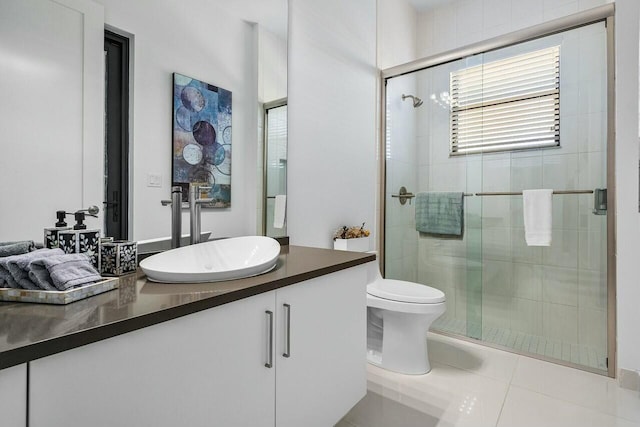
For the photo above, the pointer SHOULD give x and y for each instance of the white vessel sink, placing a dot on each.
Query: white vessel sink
(224, 259)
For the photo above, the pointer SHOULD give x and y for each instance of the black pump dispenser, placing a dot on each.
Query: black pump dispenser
(79, 216)
(62, 215)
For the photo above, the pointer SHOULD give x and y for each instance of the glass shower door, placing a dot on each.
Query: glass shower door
(418, 158)
(549, 302)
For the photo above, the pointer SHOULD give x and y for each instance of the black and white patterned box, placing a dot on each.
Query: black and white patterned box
(81, 242)
(118, 257)
(51, 236)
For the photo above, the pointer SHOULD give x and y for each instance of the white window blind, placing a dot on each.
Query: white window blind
(507, 105)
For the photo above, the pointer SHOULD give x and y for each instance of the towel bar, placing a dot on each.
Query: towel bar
(404, 195)
(519, 193)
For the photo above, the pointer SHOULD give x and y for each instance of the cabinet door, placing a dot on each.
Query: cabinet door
(13, 396)
(325, 373)
(204, 369)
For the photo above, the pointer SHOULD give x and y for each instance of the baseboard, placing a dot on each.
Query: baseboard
(629, 379)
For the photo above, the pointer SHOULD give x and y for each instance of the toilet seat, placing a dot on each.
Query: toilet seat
(405, 292)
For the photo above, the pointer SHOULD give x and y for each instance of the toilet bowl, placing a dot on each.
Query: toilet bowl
(399, 315)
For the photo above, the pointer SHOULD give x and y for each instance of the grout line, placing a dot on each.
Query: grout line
(506, 395)
(515, 368)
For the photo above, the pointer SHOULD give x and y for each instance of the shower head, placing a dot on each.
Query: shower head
(416, 101)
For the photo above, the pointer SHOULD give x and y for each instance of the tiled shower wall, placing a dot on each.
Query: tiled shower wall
(557, 292)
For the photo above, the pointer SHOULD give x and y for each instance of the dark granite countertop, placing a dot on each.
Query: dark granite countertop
(31, 331)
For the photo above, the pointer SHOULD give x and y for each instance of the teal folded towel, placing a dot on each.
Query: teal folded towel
(440, 213)
(16, 248)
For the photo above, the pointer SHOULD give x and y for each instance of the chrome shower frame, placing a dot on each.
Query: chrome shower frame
(603, 13)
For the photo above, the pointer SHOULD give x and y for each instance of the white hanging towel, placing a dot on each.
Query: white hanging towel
(279, 211)
(537, 217)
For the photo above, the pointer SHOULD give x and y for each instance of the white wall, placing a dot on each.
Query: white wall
(272, 66)
(332, 118)
(462, 22)
(397, 41)
(205, 42)
(628, 219)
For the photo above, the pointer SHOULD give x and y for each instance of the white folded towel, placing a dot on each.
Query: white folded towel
(537, 217)
(279, 211)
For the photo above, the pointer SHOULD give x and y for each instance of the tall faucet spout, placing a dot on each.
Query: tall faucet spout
(195, 204)
(176, 216)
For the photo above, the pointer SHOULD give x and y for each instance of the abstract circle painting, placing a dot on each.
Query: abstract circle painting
(201, 149)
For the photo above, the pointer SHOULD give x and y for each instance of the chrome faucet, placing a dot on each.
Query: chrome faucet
(176, 215)
(195, 204)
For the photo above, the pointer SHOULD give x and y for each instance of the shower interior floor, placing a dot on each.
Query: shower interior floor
(525, 343)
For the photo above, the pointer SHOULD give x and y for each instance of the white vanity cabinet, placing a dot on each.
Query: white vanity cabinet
(324, 374)
(209, 368)
(13, 396)
(196, 370)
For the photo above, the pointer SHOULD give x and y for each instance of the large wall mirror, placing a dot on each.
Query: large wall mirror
(271, 18)
(272, 149)
(52, 117)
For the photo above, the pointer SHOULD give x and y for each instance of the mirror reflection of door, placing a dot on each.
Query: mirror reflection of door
(116, 185)
(275, 169)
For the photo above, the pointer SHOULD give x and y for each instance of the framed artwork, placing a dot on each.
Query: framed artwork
(202, 139)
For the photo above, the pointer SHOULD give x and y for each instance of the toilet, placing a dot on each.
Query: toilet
(399, 315)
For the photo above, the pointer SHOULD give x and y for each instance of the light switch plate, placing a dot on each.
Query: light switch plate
(154, 180)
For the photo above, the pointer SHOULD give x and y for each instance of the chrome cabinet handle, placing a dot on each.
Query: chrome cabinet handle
(287, 352)
(269, 363)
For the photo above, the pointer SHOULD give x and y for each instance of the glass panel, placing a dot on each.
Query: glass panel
(276, 167)
(417, 158)
(550, 301)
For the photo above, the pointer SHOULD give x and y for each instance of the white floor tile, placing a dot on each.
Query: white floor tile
(473, 385)
(592, 391)
(467, 356)
(379, 411)
(524, 408)
(452, 395)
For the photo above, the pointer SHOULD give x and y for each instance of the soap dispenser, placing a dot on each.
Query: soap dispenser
(80, 240)
(51, 234)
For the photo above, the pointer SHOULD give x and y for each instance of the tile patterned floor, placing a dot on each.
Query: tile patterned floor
(574, 353)
(473, 385)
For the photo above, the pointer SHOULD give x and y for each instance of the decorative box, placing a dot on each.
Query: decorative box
(118, 257)
(359, 244)
(51, 236)
(81, 242)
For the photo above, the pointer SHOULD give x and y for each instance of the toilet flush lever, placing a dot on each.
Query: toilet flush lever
(287, 351)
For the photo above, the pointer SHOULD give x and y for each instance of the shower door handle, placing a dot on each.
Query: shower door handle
(404, 195)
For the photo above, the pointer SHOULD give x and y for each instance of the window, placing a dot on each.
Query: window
(505, 105)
